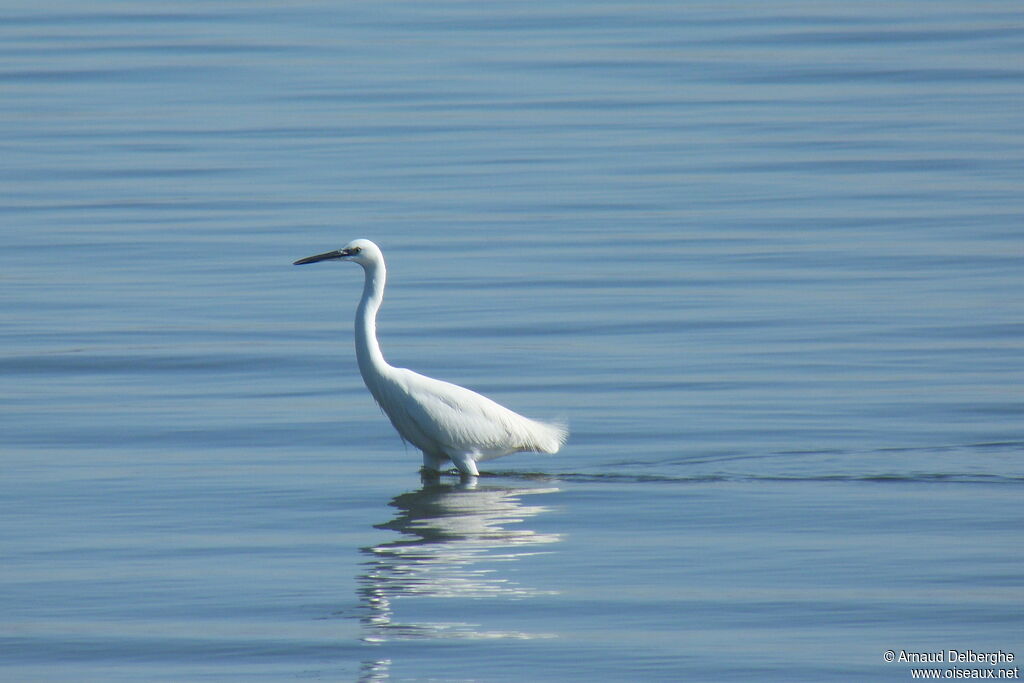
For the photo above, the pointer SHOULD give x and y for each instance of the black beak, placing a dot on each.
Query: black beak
(326, 256)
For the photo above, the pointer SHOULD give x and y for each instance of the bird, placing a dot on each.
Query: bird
(447, 422)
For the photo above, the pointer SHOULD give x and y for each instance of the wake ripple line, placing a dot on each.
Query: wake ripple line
(612, 478)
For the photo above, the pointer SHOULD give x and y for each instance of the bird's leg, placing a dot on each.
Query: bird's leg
(465, 463)
(434, 463)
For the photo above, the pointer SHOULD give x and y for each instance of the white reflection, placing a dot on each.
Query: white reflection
(375, 671)
(452, 536)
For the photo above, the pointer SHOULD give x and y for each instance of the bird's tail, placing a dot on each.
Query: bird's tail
(550, 436)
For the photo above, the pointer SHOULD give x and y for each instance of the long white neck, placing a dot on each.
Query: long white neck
(372, 365)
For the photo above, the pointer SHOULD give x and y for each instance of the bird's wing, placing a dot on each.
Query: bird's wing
(460, 420)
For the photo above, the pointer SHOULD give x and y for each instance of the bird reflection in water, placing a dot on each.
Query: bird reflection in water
(452, 536)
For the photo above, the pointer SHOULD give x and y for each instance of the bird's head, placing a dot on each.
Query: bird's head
(363, 252)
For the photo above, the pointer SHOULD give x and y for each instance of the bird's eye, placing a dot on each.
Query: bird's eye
(356, 250)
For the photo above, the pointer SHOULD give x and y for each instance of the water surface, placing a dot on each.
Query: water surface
(764, 258)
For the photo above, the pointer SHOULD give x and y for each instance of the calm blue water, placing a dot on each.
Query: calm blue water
(765, 258)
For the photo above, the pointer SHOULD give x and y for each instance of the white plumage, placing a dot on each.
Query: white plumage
(445, 421)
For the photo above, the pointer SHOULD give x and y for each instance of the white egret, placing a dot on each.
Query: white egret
(445, 421)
